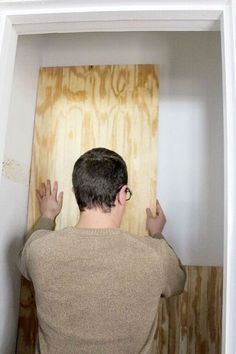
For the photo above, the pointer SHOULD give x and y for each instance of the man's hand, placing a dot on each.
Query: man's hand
(50, 204)
(155, 223)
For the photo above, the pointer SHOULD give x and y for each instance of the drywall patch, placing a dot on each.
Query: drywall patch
(15, 171)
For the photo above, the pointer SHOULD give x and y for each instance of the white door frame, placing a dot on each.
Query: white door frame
(36, 17)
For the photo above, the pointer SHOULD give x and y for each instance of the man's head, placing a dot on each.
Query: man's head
(98, 177)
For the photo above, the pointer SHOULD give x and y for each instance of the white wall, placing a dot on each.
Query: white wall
(14, 184)
(190, 144)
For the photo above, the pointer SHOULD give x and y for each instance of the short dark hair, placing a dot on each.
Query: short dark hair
(97, 176)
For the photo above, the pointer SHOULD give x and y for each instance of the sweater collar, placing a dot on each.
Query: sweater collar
(97, 232)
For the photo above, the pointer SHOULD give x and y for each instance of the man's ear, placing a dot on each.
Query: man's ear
(121, 196)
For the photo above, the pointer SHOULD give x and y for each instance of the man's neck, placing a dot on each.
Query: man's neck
(97, 219)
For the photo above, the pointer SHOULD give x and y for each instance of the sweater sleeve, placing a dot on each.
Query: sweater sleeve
(41, 228)
(173, 270)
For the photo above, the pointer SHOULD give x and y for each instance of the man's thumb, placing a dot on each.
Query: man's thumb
(149, 213)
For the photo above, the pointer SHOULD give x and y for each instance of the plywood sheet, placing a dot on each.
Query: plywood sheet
(79, 108)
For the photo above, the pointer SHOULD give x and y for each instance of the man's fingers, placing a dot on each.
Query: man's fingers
(38, 195)
(55, 189)
(42, 190)
(149, 213)
(159, 209)
(60, 199)
(48, 188)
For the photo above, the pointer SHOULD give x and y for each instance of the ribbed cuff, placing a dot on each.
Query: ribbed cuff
(158, 236)
(45, 224)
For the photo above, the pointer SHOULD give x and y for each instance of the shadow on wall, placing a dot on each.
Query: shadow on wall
(13, 206)
(11, 295)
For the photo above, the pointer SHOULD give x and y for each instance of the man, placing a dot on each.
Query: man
(97, 287)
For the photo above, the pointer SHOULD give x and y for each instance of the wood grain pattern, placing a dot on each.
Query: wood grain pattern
(27, 325)
(79, 108)
(191, 323)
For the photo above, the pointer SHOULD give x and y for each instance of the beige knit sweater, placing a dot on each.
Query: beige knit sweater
(97, 290)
